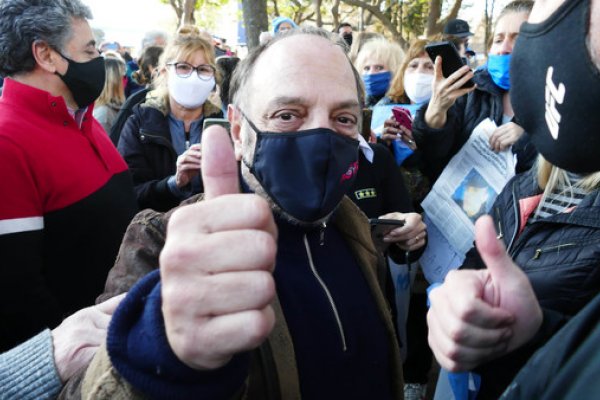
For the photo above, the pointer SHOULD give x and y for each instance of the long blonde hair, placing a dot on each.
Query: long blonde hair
(114, 92)
(550, 177)
(388, 53)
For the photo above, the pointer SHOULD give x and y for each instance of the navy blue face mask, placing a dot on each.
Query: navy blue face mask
(306, 173)
(377, 84)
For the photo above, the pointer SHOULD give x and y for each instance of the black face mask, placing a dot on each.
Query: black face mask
(84, 80)
(555, 88)
(348, 38)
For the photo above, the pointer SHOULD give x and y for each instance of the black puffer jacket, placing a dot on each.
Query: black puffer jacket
(145, 144)
(560, 255)
(438, 146)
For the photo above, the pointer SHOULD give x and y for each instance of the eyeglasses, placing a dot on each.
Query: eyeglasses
(183, 70)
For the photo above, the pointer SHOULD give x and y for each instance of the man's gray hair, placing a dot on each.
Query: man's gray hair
(24, 21)
(151, 37)
(242, 73)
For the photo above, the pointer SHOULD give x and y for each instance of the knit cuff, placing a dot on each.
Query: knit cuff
(139, 350)
(28, 371)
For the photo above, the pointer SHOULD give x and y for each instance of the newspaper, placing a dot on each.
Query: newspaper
(466, 190)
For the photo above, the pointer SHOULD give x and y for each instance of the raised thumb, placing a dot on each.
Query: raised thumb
(219, 167)
(493, 253)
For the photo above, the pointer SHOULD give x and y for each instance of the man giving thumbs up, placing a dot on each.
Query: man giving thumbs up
(268, 285)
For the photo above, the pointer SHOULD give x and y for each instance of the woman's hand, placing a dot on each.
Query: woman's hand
(409, 237)
(445, 91)
(188, 165)
(505, 136)
(392, 130)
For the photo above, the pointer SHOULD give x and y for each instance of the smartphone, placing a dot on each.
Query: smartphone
(365, 131)
(451, 59)
(215, 121)
(403, 117)
(381, 227)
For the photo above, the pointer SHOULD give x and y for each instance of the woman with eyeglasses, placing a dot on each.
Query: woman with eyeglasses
(161, 139)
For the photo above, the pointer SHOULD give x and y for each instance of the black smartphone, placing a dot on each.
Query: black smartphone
(451, 59)
(365, 131)
(380, 227)
(215, 121)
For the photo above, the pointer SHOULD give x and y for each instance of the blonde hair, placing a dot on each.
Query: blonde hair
(359, 41)
(390, 54)
(396, 92)
(184, 45)
(550, 177)
(114, 91)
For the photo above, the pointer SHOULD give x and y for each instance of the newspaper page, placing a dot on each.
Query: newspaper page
(466, 190)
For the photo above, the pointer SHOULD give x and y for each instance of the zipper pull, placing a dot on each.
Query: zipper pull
(187, 144)
(322, 234)
(537, 254)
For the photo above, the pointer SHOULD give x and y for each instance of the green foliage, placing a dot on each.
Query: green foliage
(414, 17)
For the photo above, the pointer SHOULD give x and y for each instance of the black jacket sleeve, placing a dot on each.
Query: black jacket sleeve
(151, 191)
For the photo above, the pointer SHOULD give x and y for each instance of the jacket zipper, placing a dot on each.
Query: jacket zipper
(327, 293)
(538, 252)
(499, 225)
(517, 220)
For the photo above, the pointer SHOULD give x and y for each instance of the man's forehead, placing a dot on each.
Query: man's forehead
(304, 54)
(82, 35)
(304, 66)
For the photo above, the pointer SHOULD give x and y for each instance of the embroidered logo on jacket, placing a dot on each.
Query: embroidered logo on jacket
(369, 193)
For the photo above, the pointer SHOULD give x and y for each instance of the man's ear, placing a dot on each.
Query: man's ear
(44, 56)
(235, 122)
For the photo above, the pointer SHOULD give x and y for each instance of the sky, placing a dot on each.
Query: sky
(126, 21)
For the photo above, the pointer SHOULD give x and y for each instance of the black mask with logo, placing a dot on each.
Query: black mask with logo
(555, 88)
(85, 80)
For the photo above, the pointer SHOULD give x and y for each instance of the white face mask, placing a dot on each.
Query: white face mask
(190, 92)
(417, 87)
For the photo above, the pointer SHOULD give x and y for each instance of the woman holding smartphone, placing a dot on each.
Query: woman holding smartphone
(444, 125)
(161, 140)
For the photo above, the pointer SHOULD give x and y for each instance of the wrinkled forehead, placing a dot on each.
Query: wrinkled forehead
(303, 65)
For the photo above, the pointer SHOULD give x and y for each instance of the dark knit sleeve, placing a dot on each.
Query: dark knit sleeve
(139, 350)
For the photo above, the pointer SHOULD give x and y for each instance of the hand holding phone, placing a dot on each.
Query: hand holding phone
(381, 227)
(451, 59)
(403, 117)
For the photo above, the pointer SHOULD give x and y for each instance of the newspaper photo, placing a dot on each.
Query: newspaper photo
(466, 190)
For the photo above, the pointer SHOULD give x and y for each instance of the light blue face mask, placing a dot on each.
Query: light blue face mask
(499, 68)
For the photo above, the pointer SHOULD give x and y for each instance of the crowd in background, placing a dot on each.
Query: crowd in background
(132, 138)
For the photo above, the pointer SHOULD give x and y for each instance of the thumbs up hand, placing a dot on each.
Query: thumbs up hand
(216, 265)
(478, 315)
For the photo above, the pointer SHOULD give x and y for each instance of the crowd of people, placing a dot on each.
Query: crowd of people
(189, 224)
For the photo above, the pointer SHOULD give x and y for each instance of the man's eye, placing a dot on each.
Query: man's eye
(285, 117)
(346, 120)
